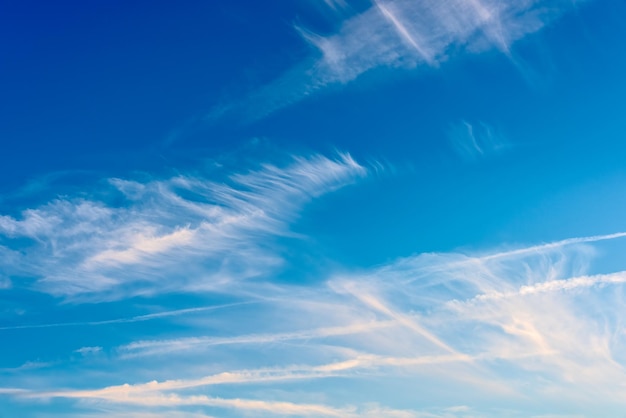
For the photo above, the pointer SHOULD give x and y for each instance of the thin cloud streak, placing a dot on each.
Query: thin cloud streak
(173, 400)
(142, 348)
(138, 318)
(556, 286)
(409, 322)
(154, 393)
(339, 368)
(404, 33)
(552, 245)
(451, 262)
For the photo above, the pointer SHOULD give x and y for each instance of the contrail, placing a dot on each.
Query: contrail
(138, 318)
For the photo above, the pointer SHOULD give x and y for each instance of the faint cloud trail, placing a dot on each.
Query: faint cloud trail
(552, 245)
(139, 318)
(142, 348)
(408, 322)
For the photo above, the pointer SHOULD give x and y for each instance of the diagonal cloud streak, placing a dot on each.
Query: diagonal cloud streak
(129, 320)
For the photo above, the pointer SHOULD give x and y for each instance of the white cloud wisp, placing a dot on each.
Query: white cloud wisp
(403, 34)
(182, 233)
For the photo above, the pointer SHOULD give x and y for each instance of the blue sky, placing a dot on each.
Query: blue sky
(391, 208)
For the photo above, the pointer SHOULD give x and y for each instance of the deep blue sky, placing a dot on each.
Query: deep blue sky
(318, 164)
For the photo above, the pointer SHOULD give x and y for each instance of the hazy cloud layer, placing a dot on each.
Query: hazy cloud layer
(530, 323)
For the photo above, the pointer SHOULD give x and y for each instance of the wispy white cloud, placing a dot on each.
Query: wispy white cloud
(336, 4)
(182, 344)
(543, 248)
(173, 400)
(155, 394)
(86, 351)
(5, 283)
(528, 300)
(405, 34)
(112, 412)
(473, 141)
(29, 365)
(12, 391)
(524, 323)
(181, 233)
(558, 285)
(377, 304)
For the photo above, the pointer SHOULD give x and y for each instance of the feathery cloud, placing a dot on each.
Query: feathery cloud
(180, 233)
(403, 34)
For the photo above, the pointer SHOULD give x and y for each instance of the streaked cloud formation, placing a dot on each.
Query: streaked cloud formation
(182, 233)
(215, 276)
(404, 34)
(534, 326)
